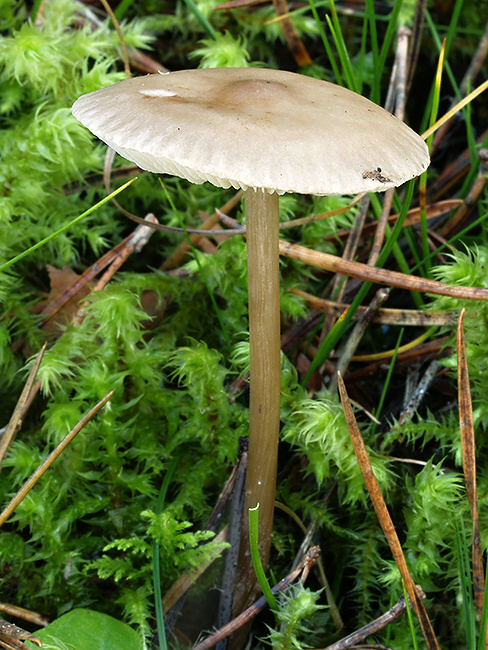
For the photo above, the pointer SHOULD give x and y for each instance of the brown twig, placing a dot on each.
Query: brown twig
(135, 243)
(115, 22)
(384, 315)
(469, 464)
(11, 637)
(294, 42)
(118, 251)
(19, 411)
(385, 519)
(25, 614)
(417, 33)
(29, 484)
(380, 276)
(391, 616)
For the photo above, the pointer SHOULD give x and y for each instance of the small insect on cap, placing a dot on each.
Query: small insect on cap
(249, 127)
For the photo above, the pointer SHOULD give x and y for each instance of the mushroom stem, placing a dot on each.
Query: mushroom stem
(262, 223)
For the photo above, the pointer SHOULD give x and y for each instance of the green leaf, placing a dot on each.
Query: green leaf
(85, 629)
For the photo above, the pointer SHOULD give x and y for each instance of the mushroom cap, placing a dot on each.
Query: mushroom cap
(251, 127)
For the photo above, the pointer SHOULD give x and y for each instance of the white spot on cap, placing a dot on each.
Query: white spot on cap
(157, 92)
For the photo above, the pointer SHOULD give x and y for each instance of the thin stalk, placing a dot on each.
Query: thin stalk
(158, 602)
(256, 559)
(336, 31)
(423, 177)
(17, 258)
(262, 221)
(328, 49)
(410, 619)
(207, 27)
(379, 408)
(484, 618)
(374, 49)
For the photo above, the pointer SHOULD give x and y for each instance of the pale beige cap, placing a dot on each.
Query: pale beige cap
(252, 127)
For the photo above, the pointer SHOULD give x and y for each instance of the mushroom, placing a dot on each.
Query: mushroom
(267, 132)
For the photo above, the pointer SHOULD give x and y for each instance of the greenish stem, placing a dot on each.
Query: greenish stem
(262, 222)
(256, 558)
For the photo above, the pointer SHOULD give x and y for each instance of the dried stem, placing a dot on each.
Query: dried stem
(469, 464)
(385, 519)
(29, 484)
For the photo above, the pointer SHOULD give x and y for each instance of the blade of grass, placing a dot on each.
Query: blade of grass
(207, 27)
(465, 583)
(34, 11)
(375, 93)
(455, 237)
(325, 41)
(158, 601)
(438, 43)
(461, 104)
(379, 408)
(484, 618)
(411, 623)
(396, 249)
(122, 8)
(336, 31)
(466, 425)
(256, 558)
(19, 257)
(330, 341)
(423, 177)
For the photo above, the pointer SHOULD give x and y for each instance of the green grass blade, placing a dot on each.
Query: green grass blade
(410, 619)
(466, 584)
(256, 558)
(122, 8)
(484, 616)
(34, 11)
(336, 31)
(379, 408)
(207, 27)
(423, 177)
(330, 341)
(325, 41)
(449, 242)
(438, 43)
(44, 241)
(375, 96)
(158, 602)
